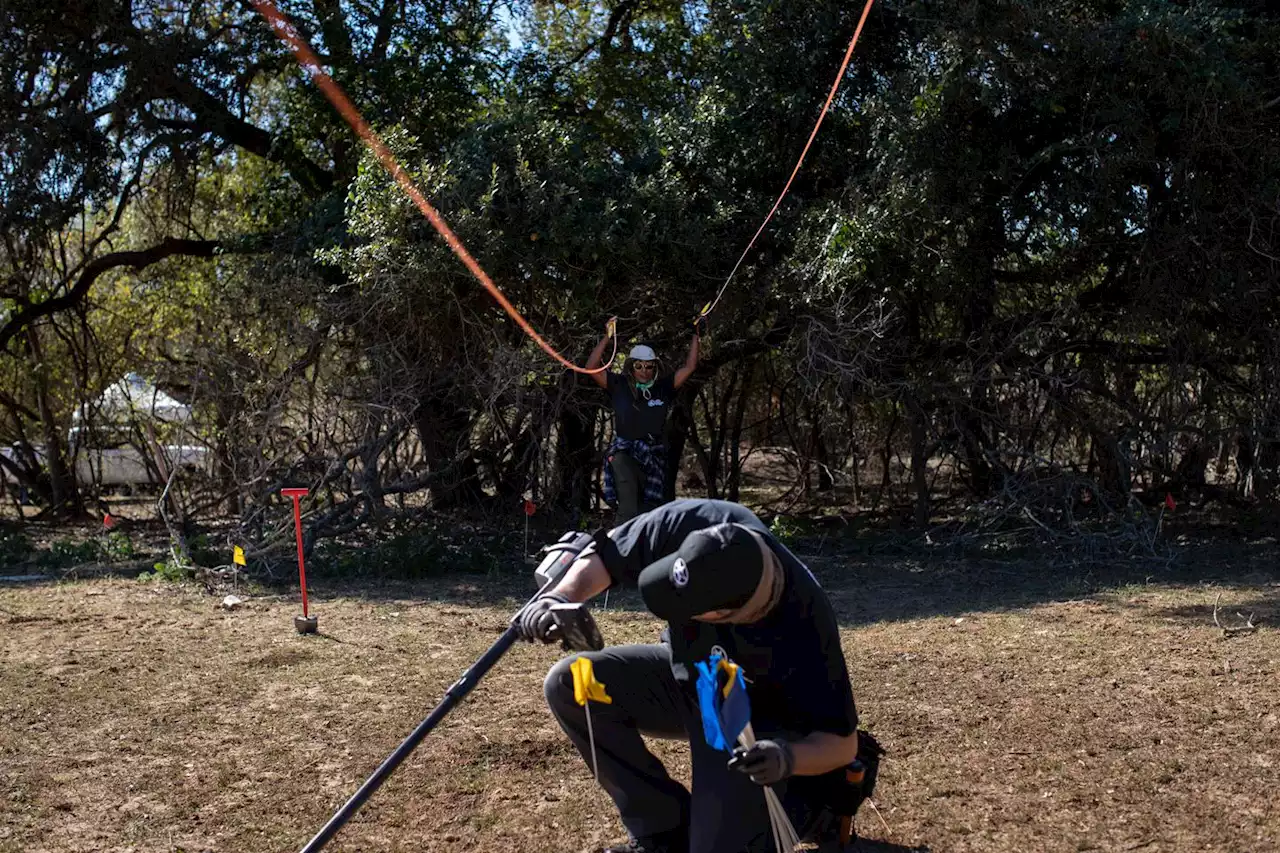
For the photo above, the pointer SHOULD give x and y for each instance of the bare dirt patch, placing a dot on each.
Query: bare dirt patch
(1019, 716)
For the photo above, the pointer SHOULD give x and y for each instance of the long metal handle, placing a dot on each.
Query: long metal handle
(452, 697)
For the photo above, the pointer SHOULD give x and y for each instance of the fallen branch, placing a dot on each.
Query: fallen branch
(1230, 631)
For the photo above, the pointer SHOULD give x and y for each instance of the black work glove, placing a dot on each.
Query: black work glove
(700, 326)
(535, 621)
(768, 762)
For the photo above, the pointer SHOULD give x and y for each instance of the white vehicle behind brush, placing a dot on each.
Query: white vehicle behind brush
(125, 465)
(132, 436)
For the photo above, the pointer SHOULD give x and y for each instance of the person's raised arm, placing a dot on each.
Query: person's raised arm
(597, 355)
(690, 362)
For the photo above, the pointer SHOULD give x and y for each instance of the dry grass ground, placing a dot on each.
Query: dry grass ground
(1068, 714)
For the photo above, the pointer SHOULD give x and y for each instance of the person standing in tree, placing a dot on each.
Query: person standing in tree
(641, 396)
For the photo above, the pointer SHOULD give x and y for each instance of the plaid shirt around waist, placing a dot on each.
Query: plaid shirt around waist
(653, 461)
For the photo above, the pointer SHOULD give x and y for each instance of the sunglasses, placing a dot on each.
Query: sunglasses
(644, 365)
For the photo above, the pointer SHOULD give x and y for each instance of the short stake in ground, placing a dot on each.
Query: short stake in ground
(586, 690)
(306, 623)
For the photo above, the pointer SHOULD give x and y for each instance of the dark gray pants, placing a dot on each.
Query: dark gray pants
(726, 812)
(628, 481)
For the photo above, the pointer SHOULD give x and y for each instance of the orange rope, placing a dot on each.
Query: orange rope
(311, 64)
(830, 97)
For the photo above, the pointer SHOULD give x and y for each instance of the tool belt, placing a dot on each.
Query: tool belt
(859, 782)
(841, 794)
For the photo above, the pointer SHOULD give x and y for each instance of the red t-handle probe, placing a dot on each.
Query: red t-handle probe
(308, 623)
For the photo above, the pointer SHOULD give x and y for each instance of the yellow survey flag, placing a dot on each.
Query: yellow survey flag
(585, 685)
(238, 556)
(731, 670)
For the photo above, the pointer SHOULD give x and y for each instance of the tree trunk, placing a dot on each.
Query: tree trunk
(735, 438)
(1112, 465)
(1246, 462)
(576, 454)
(919, 459)
(720, 430)
(443, 424)
(368, 476)
(1193, 466)
(704, 460)
(821, 457)
(886, 460)
(973, 441)
(225, 461)
(677, 434)
(706, 451)
(1267, 467)
(64, 497)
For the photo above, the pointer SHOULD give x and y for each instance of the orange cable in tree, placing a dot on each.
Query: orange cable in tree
(311, 64)
(866, 10)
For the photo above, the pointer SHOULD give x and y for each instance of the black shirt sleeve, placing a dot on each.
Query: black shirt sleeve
(827, 694)
(653, 535)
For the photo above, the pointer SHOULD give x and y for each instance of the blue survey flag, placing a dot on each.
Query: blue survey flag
(723, 701)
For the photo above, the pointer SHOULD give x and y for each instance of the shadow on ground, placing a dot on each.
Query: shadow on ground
(896, 585)
(863, 845)
(867, 590)
(899, 587)
(1233, 612)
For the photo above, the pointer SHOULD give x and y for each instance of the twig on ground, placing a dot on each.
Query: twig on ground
(888, 833)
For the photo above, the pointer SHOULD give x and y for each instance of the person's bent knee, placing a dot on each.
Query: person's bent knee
(558, 685)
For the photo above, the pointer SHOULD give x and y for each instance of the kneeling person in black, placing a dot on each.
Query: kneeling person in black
(725, 586)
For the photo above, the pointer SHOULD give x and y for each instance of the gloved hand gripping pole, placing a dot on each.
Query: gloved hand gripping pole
(577, 630)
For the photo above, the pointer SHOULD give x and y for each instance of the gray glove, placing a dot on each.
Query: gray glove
(535, 621)
(768, 762)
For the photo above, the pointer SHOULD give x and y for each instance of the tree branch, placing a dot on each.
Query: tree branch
(382, 38)
(15, 406)
(213, 116)
(620, 15)
(168, 247)
(332, 24)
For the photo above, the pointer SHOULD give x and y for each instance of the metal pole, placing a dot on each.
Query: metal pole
(452, 697)
(297, 494)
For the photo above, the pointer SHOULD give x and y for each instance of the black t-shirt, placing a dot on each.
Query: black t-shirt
(641, 416)
(794, 667)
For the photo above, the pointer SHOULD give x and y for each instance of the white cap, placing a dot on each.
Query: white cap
(640, 352)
